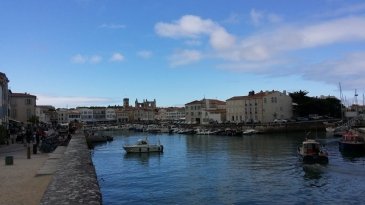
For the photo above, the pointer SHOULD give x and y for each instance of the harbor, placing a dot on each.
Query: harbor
(249, 169)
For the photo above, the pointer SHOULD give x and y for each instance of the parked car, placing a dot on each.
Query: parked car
(280, 121)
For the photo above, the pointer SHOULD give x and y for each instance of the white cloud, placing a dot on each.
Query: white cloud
(265, 46)
(193, 42)
(78, 59)
(350, 71)
(260, 17)
(72, 101)
(268, 52)
(184, 57)
(116, 57)
(82, 59)
(95, 59)
(190, 26)
(256, 17)
(233, 18)
(344, 10)
(112, 26)
(144, 54)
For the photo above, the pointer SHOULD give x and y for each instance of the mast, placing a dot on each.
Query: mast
(341, 100)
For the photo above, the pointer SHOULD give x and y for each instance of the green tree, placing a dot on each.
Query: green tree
(305, 105)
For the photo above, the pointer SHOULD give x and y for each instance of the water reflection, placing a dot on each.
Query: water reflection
(142, 158)
(352, 156)
(312, 171)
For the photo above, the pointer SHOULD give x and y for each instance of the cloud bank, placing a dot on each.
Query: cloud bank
(266, 51)
(71, 101)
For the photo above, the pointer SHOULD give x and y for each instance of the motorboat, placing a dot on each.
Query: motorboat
(351, 142)
(311, 152)
(143, 146)
(249, 132)
(96, 137)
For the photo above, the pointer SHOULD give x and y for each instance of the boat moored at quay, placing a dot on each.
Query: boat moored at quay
(351, 142)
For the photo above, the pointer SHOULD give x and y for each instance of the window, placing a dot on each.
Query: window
(29, 113)
(28, 101)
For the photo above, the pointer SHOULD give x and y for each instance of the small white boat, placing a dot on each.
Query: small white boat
(249, 132)
(143, 146)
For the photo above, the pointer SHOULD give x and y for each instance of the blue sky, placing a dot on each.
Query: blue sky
(93, 52)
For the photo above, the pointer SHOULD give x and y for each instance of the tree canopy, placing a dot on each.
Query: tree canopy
(306, 105)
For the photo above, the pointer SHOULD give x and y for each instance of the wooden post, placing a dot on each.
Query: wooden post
(28, 151)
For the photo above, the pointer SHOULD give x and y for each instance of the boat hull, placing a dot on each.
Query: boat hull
(357, 147)
(314, 159)
(143, 149)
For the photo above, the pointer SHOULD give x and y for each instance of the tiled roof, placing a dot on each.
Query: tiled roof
(22, 95)
(211, 101)
(257, 95)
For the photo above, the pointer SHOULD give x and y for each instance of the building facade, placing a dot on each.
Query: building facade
(74, 115)
(62, 115)
(4, 100)
(205, 111)
(110, 114)
(46, 114)
(23, 106)
(259, 107)
(86, 114)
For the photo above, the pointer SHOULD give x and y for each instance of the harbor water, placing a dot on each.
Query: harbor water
(209, 169)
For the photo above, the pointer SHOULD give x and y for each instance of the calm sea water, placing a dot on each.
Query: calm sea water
(257, 169)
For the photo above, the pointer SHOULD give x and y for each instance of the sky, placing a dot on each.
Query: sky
(73, 53)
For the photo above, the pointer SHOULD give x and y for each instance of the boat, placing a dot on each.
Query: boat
(311, 152)
(143, 146)
(96, 137)
(249, 132)
(351, 142)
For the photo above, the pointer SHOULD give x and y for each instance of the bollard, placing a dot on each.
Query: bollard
(9, 160)
(28, 151)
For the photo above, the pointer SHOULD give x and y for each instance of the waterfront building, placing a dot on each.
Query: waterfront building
(259, 107)
(86, 114)
(62, 114)
(46, 114)
(23, 106)
(205, 111)
(124, 114)
(161, 114)
(174, 114)
(110, 114)
(98, 114)
(74, 115)
(4, 100)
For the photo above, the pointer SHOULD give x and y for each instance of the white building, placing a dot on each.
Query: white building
(175, 114)
(74, 115)
(259, 107)
(62, 115)
(110, 114)
(205, 111)
(45, 113)
(86, 114)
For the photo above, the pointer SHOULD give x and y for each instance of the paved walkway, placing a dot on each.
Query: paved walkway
(26, 180)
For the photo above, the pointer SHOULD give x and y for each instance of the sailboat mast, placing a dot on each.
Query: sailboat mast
(341, 101)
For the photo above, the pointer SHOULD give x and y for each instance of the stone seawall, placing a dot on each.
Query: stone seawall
(75, 182)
